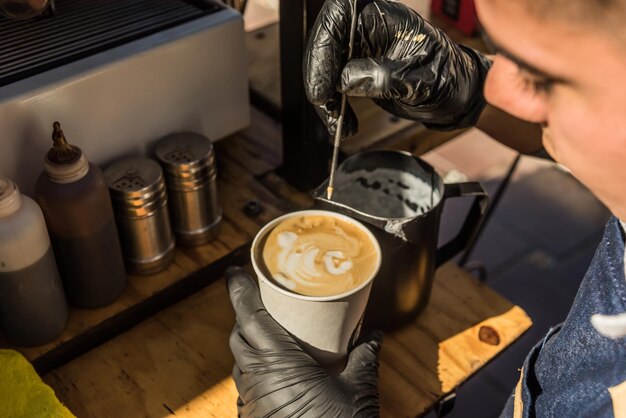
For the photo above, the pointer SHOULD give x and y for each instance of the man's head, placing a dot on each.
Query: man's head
(560, 63)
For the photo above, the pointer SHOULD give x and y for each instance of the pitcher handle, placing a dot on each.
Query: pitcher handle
(472, 222)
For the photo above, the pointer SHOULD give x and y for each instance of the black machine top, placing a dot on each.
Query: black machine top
(80, 28)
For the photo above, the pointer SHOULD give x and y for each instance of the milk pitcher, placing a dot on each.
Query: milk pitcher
(400, 198)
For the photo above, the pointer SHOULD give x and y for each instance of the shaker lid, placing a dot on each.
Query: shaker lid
(133, 175)
(64, 163)
(137, 186)
(10, 198)
(184, 149)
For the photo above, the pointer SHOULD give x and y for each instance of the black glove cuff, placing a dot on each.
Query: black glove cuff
(478, 103)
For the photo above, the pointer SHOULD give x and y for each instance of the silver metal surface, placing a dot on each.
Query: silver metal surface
(188, 161)
(139, 200)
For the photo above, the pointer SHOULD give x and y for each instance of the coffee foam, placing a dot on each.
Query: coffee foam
(318, 255)
(397, 195)
(387, 193)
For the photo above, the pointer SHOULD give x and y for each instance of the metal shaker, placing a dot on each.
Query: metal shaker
(188, 162)
(140, 203)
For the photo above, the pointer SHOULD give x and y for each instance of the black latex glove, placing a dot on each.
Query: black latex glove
(276, 378)
(408, 67)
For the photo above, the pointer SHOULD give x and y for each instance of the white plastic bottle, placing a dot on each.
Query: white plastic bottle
(33, 310)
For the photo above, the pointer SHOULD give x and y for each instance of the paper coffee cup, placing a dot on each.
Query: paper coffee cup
(326, 326)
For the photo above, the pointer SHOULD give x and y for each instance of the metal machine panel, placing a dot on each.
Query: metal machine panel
(118, 102)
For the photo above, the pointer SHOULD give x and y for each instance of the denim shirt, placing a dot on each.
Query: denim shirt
(575, 371)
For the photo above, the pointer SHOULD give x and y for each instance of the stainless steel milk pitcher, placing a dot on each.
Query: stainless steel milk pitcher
(400, 198)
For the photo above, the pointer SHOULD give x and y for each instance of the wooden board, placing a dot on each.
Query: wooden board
(179, 362)
(253, 152)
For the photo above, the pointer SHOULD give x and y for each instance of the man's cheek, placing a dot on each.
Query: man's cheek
(560, 144)
(548, 144)
(570, 143)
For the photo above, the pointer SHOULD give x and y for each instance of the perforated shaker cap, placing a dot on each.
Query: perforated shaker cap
(136, 185)
(185, 152)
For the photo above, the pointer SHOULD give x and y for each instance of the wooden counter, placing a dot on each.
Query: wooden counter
(177, 360)
(179, 363)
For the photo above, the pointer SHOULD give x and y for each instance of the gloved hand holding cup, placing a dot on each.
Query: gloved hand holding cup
(315, 271)
(275, 377)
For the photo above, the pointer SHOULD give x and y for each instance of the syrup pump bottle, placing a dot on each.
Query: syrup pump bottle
(33, 310)
(75, 200)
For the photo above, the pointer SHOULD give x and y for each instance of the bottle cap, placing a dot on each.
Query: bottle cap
(10, 198)
(64, 163)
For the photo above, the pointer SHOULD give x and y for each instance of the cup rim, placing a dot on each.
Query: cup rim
(270, 225)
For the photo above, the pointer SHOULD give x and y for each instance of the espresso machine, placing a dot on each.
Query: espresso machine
(120, 74)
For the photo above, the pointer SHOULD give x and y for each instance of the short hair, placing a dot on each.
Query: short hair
(607, 13)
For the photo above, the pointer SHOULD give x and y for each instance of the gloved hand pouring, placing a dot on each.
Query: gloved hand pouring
(407, 66)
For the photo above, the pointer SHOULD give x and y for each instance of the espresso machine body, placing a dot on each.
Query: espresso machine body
(128, 75)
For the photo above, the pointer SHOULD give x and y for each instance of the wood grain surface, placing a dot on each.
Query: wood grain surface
(178, 363)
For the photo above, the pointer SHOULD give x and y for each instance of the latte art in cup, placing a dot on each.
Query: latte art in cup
(315, 271)
(319, 255)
